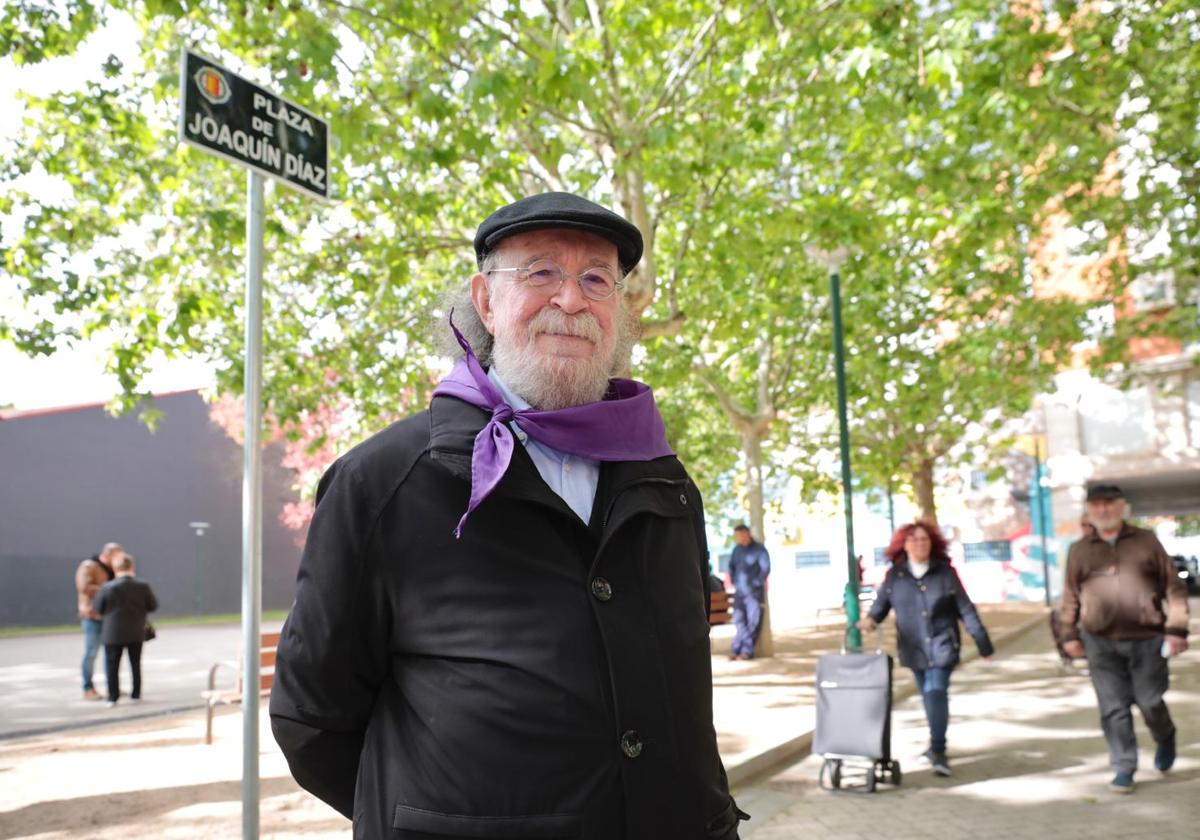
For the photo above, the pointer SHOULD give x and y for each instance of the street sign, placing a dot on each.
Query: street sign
(229, 116)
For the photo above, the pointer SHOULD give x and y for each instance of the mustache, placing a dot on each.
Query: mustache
(584, 325)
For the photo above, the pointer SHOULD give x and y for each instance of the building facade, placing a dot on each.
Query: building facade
(77, 478)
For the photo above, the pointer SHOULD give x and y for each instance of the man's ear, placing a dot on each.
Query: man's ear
(481, 297)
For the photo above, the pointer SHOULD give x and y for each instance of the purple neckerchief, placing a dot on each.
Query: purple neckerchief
(624, 426)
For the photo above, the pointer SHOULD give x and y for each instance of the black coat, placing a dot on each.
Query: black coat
(124, 603)
(927, 615)
(538, 678)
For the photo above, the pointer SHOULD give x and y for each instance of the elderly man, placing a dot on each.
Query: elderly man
(92, 573)
(500, 626)
(1121, 588)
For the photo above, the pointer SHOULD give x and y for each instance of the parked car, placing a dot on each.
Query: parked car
(1188, 573)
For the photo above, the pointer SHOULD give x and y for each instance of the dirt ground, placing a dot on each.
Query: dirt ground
(152, 778)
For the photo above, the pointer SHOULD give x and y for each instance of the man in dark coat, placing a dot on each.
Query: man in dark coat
(124, 603)
(1125, 608)
(500, 626)
(749, 566)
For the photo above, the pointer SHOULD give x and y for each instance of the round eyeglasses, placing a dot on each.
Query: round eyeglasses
(596, 283)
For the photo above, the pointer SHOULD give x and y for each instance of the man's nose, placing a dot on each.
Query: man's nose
(569, 297)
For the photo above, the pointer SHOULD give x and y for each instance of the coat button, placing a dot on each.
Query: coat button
(601, 589)
(631, 744)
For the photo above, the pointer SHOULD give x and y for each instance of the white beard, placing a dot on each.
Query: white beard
(550, 383)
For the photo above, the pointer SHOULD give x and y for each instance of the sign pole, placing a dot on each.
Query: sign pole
(228, 116)
(252, 507)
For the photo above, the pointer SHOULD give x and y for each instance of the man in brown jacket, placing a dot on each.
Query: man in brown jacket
(1125, 609)
(92, 573)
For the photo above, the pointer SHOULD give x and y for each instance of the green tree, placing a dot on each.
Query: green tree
(954, 137)
(932, 139)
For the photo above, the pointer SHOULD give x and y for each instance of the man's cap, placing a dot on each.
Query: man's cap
(1104, 491)
(559, 210)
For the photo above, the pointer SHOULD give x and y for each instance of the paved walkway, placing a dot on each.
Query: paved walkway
(40, 679)
(1028, 760)
(1022, 735)
(763, 710)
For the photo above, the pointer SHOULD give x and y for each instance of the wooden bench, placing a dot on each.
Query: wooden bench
(719, 608)
(214, 696)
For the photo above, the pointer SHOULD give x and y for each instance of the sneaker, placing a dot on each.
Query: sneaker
(1164, 756)
(1122, 782)
(927, 756)
(91, 694)
(941, 764)
(112, 704)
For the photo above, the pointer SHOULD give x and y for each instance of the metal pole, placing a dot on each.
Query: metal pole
(199, 528)
(1043, 516)
(891, 509)
(199, 570)
(252, 508)
(853, 636)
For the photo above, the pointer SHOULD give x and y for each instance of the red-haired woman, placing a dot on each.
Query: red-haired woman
(929, 600)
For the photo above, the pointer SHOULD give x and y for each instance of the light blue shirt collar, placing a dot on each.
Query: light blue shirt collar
(572, 478)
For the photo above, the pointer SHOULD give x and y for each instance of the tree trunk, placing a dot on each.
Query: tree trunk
(752, 450)
(923, 487)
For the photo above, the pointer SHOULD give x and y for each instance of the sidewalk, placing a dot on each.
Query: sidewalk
(1029, 762)
(154, 777)
(40, 680)
(763, 710)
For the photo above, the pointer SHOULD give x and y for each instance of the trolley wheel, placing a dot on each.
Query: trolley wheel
(871, 779)
(832, 767)
(895, 773)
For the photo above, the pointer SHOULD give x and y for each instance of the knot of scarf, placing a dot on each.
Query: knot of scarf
(624, 426)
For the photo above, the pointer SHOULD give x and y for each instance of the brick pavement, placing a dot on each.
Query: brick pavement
(763, 710)
(1029, 762)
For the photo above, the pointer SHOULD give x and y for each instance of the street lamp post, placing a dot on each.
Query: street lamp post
(833, 260)
(1043, 514)
(199, 528)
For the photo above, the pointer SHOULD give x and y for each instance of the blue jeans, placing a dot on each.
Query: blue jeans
(747, 617)
(91, 646)
(934, 685)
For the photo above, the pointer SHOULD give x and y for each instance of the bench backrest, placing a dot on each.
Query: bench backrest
(266, 660)
(718, 607)
(267, 644)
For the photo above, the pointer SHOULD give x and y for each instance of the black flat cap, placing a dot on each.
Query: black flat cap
(1104, 491)
(559, 210)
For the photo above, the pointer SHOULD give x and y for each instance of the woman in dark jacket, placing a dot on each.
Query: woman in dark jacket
(929, 600)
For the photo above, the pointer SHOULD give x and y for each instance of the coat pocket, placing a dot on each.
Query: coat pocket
(539, 826)
(943, 650)
(1150, 611)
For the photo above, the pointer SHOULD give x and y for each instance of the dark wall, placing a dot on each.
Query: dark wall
(76, 479)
